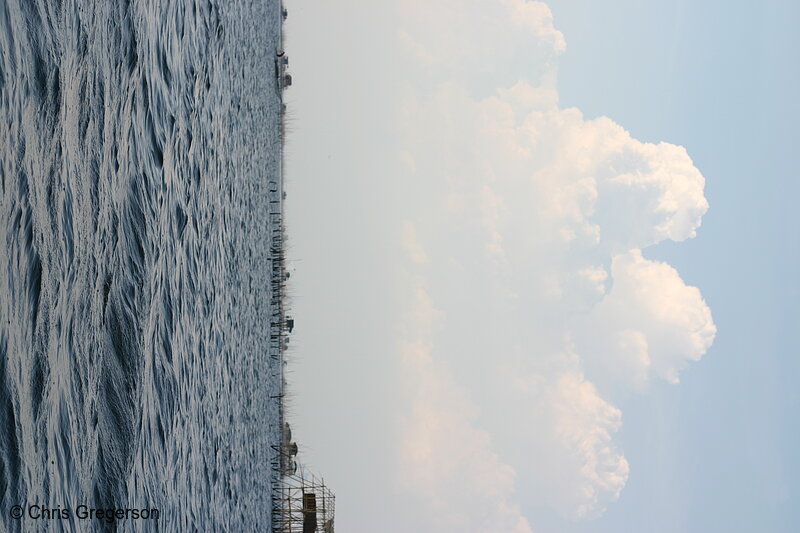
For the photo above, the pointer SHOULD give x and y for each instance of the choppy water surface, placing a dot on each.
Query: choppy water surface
(136, 142)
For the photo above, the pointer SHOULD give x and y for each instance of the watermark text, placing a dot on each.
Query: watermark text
(82, 512)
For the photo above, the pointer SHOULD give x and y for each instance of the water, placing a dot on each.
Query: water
(137, 141)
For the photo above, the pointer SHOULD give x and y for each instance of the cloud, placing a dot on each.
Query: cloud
(484, 43)
(584, 425)
(411, 245)
(526, 227)
(650, 324)
(447, 462)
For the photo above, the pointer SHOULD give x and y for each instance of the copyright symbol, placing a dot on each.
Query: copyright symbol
(17, 512)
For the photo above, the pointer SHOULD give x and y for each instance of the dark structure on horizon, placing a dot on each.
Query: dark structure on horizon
(301, 502)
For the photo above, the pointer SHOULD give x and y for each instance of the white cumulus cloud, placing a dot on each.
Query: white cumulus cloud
(651, 324)
(526, 227)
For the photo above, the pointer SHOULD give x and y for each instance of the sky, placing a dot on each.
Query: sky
(544, 263)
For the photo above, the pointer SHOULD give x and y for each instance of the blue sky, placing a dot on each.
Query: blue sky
(424, 315)
(718, 452)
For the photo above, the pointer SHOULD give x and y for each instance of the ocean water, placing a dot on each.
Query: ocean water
(139, 160)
